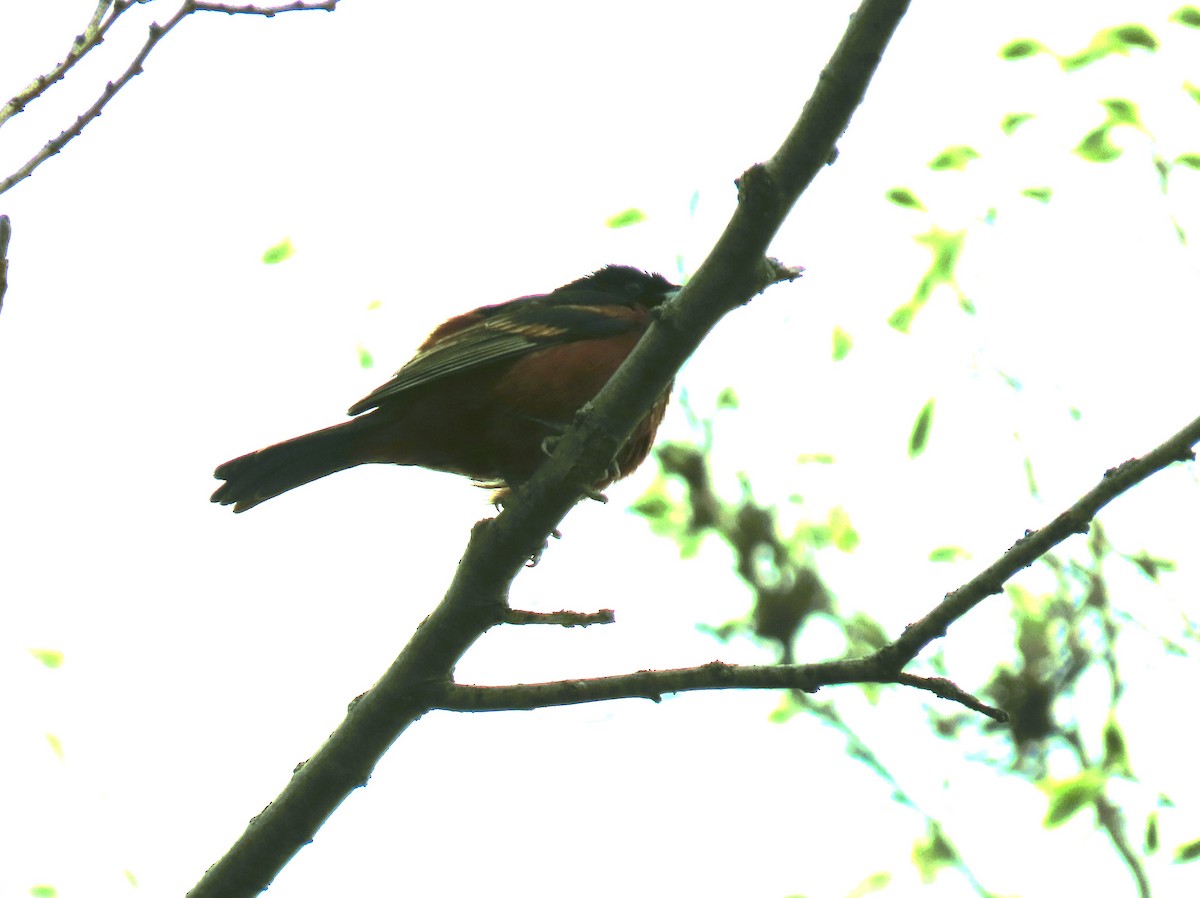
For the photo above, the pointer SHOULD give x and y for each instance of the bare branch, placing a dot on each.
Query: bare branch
(1036, 543)
(654, 684)
(5, 234)
(91, 38)
(268, 11)
(157, 33)
(560, 618)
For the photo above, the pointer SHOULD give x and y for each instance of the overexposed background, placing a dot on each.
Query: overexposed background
(427, 160)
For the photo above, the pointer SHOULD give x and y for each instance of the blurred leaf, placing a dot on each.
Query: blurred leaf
(842, 344)
(865, 634)
(1133, 36)
(876, 882)
(55, 745)
(1013, 121)
(844, 536)
(1191, 160)
(1030, 480)
(694, 203)
(1096, 147)
(1192, 90)
(1151, 839)
(902, 196)
(374, 304)
(625, 218)
(365, 359)
(1187, 15)
(1122, 112)
(955, 158)
(279, 252)
(727, 398)
(944, 554)
(1022, 49)
(1116, 755)
(1151, 566)
(43, 891)
(1041, 194)
(1068, 796)
(1188, 851)
(130, 878)
(933, 853)
(51, 658)
(946, 246)
(814, 458)
(901, 319)
(919, 438)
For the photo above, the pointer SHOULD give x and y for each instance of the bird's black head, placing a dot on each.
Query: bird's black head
(632, 284)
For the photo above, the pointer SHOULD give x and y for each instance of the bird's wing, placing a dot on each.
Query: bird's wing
(506, 331)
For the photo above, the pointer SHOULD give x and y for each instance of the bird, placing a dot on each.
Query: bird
(485, 395)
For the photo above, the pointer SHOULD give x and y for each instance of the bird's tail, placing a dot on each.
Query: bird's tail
(264, 474)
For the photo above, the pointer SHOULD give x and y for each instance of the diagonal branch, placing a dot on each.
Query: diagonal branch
(93, 37)
(498, 549)
(1036, 543)
(88, 40)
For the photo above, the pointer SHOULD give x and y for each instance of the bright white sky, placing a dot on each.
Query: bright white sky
(436, 159)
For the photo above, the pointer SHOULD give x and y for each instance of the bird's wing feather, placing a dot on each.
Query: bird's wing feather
(507, 331)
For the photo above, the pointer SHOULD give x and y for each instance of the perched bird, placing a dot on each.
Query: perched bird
(482, 395)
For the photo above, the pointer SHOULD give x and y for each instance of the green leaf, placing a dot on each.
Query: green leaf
(1116, 755)
(919, 438)
(1068, 796)
(43, 891)
(1151, 566)
(1187, 852)
(842, 344)
(1022, 49)
(955, 158)
(901, 319)
(365, 359)
(844, 536)
(1191, 160)
(1192, 90)
(815, 458)
(1151, 839)
(51, 658)
(905, 198)
(1133, 36)
(1096, 147)
(944, 554)
(374, 304)
(279, 252)
(1122, 112)
(1041, 194)
(727, 398)
(1013, 121)
(55, 744)
(625, 218)
(1187, 15)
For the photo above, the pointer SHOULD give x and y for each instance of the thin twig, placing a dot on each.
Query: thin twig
(5, 234)
(560, 618)
(157, 33)
(654, 684)
(92, 37)
(1036, 543)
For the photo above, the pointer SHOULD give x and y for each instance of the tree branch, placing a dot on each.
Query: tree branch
(157, 33)
(1036, 543)
(654, 684)
(5, 234)
(91, 38)
(498, 549)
